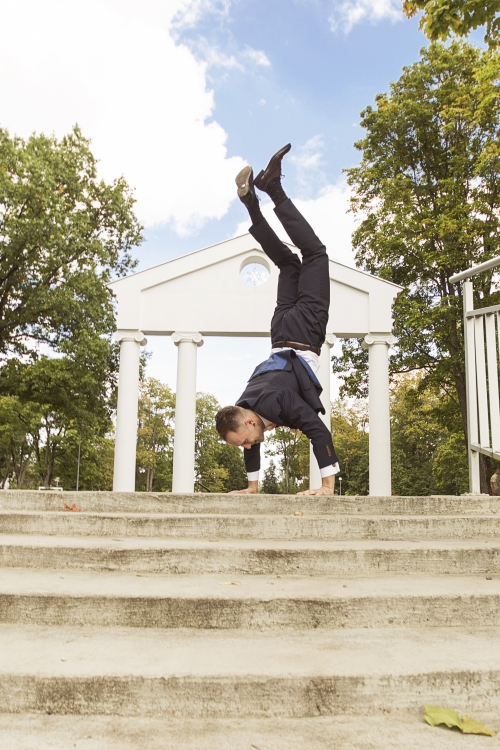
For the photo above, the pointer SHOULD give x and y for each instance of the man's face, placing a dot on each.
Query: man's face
(250, 433)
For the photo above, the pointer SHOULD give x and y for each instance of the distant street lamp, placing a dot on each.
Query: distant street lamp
(78, 462)
(340, 480)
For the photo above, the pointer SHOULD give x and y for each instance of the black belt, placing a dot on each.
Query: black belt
(295, 345)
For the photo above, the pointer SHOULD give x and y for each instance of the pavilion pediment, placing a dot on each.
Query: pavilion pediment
(204, 291)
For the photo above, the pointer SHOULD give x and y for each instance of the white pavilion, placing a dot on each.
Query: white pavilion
(203, 294)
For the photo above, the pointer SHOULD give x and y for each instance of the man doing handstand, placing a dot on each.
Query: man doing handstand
(284, 390)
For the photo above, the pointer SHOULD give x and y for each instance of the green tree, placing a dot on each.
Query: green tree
(54, 397)
(270, 481)
(231, 459)
(96, 461)
(218, 466)
(350, 438)
(18, 422)
(64, 235)
(443, 18)
(291, 448)
(428, 190)
(155, 437)
(428, 451)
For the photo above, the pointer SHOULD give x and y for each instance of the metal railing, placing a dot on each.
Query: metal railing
(482, 347)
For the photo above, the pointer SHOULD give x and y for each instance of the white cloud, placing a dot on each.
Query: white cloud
(115, 68)
(214, 58)
(309, 156)
(327, 214)
(308, 162)
(188, 12)
(347, 13)
(257, 56)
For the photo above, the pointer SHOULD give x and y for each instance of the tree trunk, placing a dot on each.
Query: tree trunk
(49, 466)
(21, 474)
(8, 469)
(21, 467)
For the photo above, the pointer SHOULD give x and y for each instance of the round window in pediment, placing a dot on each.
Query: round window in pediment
(255, 271)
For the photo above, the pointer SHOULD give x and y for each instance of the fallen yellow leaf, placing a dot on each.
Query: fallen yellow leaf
(435, 715)
(469, 726)
(231, 583)
(298, 513)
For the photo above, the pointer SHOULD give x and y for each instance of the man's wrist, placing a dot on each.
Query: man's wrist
(326, 471)
(329, 482)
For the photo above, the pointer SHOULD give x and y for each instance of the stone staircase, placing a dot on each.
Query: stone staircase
(227, 622)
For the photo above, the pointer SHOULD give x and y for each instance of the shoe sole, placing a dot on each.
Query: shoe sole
(244, 181)
(261, 181)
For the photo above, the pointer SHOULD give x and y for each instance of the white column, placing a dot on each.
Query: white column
(379, 412)
(185, 411)
(126, 411)
(323, 375)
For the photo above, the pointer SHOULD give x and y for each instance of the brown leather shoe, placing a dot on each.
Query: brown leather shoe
(244, 183)
(273, 169)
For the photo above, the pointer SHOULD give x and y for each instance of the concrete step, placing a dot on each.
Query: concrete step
(290, 527)
(221, 674)
(74, 598)
(149, 502)
(391, 732)
(349, 558)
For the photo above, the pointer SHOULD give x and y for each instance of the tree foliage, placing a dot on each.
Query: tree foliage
(443, 18)
(350, 438)
(218, 467)
(291, 448)
(155, 437)
(63, 235)
(428, 191)
(49, 398)
(270, 481)
(428, 450)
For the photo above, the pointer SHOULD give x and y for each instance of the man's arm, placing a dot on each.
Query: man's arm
(299, 415)
(252, 466)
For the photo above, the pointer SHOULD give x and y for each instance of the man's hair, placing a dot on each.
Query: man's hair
(228, 419)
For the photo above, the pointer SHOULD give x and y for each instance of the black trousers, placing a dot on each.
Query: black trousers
(303, 301)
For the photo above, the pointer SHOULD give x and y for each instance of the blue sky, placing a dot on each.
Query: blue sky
(316, 83)
(177, 95)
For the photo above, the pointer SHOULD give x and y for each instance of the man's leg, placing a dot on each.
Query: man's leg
(287, 261)
(307, 322)
(310, 316)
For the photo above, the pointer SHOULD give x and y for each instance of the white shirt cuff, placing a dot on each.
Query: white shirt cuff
(253, 476)
(327, 471)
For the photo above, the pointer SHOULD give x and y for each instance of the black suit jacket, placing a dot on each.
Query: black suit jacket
(289, 398)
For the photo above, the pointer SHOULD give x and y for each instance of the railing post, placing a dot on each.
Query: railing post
(471, 388)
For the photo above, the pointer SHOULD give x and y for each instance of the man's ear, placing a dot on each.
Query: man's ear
(249, 420)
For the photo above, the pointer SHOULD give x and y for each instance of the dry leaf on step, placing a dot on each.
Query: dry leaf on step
(469, 726)
(435, 715)
(73, 508)
(298, 513)
(231, 583)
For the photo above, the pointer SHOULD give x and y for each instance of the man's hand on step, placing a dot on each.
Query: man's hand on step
(252, 489)
(327, 487)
